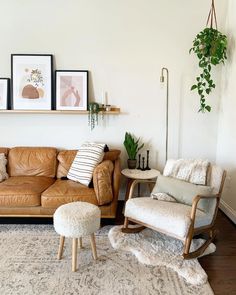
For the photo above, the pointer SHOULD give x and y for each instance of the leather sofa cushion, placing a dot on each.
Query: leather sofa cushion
(4, 151)
(23, 191)
(66, 157)
(111, 155)
(102, 182)
(32, 161)
(66, 191)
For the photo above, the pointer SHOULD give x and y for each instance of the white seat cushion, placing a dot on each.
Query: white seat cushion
(76, 219)
(169, 217)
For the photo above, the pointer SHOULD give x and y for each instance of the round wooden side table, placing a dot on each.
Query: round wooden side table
(133, 174)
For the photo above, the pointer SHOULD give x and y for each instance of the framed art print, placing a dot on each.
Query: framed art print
(31, 81)
(4, 93)
(71, 90)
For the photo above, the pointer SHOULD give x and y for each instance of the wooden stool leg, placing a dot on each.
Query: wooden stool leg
(80, 243)
(74, 253)
(93, 245)
(61, 245)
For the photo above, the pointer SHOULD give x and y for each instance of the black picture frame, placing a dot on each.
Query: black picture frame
(77, 95)
(31, 71)
(4, 94)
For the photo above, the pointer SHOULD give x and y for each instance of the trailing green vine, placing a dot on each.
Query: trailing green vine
(210, 47)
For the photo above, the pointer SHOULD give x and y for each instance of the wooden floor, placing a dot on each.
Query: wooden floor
(220, 266)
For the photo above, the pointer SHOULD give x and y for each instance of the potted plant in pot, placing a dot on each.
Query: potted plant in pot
(210, 47)
(132, 148)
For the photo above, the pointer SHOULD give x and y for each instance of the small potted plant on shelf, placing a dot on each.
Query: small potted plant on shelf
(132, 148)
(93, 108)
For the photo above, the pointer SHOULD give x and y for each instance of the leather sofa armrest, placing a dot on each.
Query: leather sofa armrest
(102, 182)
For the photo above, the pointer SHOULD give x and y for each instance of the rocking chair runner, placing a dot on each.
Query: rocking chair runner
(198, 222)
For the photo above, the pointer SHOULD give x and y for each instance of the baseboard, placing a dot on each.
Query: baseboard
(230, 212)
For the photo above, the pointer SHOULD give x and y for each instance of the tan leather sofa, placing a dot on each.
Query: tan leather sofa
(36, 184)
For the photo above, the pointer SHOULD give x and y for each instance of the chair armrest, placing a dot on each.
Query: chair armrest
(195, 202)
(137, 181)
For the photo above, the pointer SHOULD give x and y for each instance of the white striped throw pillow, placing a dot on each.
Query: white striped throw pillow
(87, 158)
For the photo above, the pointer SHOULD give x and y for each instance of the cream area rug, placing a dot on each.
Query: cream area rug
(156, 249)
(28, 265)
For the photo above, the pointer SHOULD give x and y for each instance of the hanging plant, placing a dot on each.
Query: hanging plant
(210, 46)
(93, 114)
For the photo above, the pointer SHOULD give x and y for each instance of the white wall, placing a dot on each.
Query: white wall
(123, 44)
(227, 137)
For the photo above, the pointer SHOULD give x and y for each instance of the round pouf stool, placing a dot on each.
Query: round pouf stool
(75, 220)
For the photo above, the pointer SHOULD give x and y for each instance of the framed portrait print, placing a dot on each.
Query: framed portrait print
(31, 81)
(4, 93)
(71, 90)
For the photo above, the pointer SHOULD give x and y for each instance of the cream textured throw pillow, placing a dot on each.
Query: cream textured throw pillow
(3, 171)
(163, 197)
(87, 158)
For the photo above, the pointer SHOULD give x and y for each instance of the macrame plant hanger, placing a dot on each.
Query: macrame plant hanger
(212, 16)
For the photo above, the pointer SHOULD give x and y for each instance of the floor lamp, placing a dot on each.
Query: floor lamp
(162, 80)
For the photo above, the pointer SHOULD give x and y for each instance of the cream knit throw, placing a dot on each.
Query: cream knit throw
(3, 163)
(194, 171)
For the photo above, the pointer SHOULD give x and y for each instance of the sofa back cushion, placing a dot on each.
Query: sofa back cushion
(4, 150)
(32, 161)
(66, 157)
(184, 192)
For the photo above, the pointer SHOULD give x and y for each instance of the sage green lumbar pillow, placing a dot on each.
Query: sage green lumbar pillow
(183, 192)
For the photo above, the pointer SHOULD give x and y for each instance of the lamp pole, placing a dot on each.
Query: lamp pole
(162, 80)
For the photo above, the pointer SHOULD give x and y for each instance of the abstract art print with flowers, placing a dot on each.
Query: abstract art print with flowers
(71, 90)
(31, 81)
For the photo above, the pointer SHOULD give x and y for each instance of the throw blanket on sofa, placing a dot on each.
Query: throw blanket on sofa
(3, 163)
(194, 171)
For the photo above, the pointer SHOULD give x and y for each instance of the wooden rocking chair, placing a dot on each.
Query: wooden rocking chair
(153, 214)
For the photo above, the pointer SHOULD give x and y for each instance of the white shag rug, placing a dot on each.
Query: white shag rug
(156, 249)
(29, 266)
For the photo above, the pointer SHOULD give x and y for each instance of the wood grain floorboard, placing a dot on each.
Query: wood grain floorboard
(221, 265)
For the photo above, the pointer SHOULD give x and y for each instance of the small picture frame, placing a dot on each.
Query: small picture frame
(71, 90)
(31, 76)
(4, 93)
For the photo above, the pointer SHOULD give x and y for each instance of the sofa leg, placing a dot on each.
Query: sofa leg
(61, 246)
